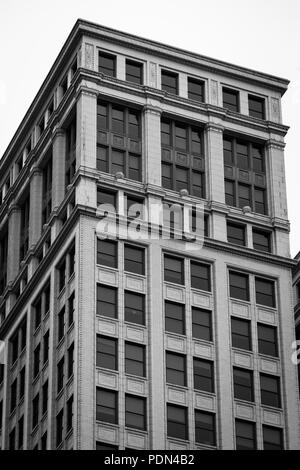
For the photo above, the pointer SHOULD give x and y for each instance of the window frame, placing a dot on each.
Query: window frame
(238, 386)
(164, 73)
(231, 92)
(245, 337)
(111, 56)
(176, 375)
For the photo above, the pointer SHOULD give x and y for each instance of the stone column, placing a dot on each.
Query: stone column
(14, 235)
(86, 132)
(35, 214)
(152, 145)
(58, 167)
(215, 191)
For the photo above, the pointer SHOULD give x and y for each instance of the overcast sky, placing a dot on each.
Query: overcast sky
(259, 34)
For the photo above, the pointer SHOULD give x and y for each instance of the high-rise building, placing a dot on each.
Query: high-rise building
(152, 343)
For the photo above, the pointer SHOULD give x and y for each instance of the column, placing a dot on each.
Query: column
(152, 145)
(14, 234)
(35, 214)
(215, 179)
(58, 167)
(86, 132)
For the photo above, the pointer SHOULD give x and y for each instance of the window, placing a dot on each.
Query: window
(203, 375)
(239, 285)
(134, 72)
(245, 432)
(200, 276)
(72, 253)
(245, 179)
(202, 324)
(35, 410)
(267, 340)
(176, 369)
(134, 207)
(134, 259)
(107, 301)
(261, 240)
(61, 324)
(107, 198)
(256, 107)
(135, 412)
(47, 191)
(265, 292)
(195, 90)
(107, 406)
(107, 253)
(36, 360)
(107, 352)
(70, 413)
(23, 331)
(236, 234)
(135, 359)
(273, 438)
(46, 347)
(70, 360)
(243, 384)
(59, 427)
(62, 275)
(175, 318)
(183, 162)
(12, 439)
(24, 239)
(20, 432)
(60, 374)
(44, 441)
(13, 395)
(174, 270)
(104, 446)
(71, 308)
(119, 140)
(270, 390)
(45, 398)
(70, 169)
(37, 313)
(107, 64)
(241, 334)
(177, 422)
(1, 373)
(205, 428)
(169, 82)
(135, 308)
(3, 260)
(231, 99)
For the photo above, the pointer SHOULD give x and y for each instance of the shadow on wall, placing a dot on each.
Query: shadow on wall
(1, 352)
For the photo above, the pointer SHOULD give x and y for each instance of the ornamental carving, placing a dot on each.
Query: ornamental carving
(275, 110)
(89, 56)
(214, 92)
(153, 75)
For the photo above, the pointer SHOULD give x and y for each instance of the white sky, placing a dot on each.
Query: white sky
(258, 34)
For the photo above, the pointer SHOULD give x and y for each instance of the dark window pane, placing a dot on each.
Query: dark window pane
(107, 301)
(231, 99)
(241, 334)
(242, 156)
(181, 137)
(134, 125)
(265, 292)
(228, 151)
(104, 446)
(261, 240)
(165, 133)
(200, 276)
(176, 369)
(107, 64)
(135, 412)
(267, 340)
(260, 201)
(134, 72)
(270, 390)
(102, 159)
(102, 116)
(229, 193)
(177, 422)
(174, 270)
(205, 428)
(245, 435)
(135, 167)
(239, 286)
(134, 259)
(202, 324)
(203, 375)
(181, 178)
(236, 234)
(107, 352)
(106, 197)
(117, 161)
(135, 308)
(107, 253)
(166, 170)
(195, 90)
(107, 406)
(174, 318)
(135, 359)
(169, 82)
(243, 384)
(256, 107)
(244, 195)
(273, 438)
(198, 184)
(257, 158)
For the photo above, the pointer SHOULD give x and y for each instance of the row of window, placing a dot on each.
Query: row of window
(236, 234)
(170, 83)
(177, 422)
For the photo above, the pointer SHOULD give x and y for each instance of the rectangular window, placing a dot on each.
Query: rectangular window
(195, 90)
(14, 348)
(134, 259)
(22, 383)
(239, 286)
(107, 198)
(12, 439)
(135, 308)
(59, 427)
(265, 292)
(107, 64)
(70, 360)
(24, 238)
(229, 193)
(47, 191)
(175, 318)
(244, 196)
(245, 432)
(169, 82)
(205, 428)
(36, 360)
(177, 422)
(228, 151)
(200, 276)
(35, 410)
(267, 340)
(71, 308)
(260, 205)
(46, 347)
(107, 406)
(70, 153)
(231, 99)
(60, 374)
(44, 441)
(62, 275)
(135, 359)
(107, 305)
(241, 334)
(203, 375)
(13, 395)
(135, 412)
(61, 324)
(261, 240)
(202, 324)
(174, 270)
(134, 72)
(236, 234)
(107, 253)
(243, 384)
(20, 432)
(45, 398)
(270, 390)
(273, 438)
(107, 352)
(70, 413)
(176, 369)
(37, 313)
(256, 107)
(134, 206)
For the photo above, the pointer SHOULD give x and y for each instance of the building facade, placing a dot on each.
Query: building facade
(156, 343)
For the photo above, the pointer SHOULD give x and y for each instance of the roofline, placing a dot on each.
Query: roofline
(83, 27)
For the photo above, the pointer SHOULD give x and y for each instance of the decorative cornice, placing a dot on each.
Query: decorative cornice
(148, 108)
(211, 126)
(275, 144)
